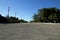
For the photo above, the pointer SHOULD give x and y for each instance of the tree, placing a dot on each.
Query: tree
(11, 20)
(3, 19)
(47, 15)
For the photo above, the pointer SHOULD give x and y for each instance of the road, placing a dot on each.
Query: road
(29, 31)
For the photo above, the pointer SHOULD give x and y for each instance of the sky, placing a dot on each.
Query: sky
(25, 9)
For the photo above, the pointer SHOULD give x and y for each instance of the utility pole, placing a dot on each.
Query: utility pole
(8, 10)
(15, 14)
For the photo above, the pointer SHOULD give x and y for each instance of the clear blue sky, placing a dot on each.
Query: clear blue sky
(26, 8)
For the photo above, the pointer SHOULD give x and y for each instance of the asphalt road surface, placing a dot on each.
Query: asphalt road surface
(30, 31)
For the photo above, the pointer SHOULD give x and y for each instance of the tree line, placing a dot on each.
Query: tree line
(47, 15)
(11, 20)
(44, 15)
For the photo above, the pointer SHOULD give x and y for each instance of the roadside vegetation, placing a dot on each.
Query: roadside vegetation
(11, 20)
(47, 15)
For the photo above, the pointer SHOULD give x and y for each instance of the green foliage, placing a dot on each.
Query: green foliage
(3, 19)
(11, 20)
(47, 15)
(22, 21)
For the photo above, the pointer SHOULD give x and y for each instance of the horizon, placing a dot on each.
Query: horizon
(25, 9)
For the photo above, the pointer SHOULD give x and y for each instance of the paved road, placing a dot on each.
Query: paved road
(29, 31)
